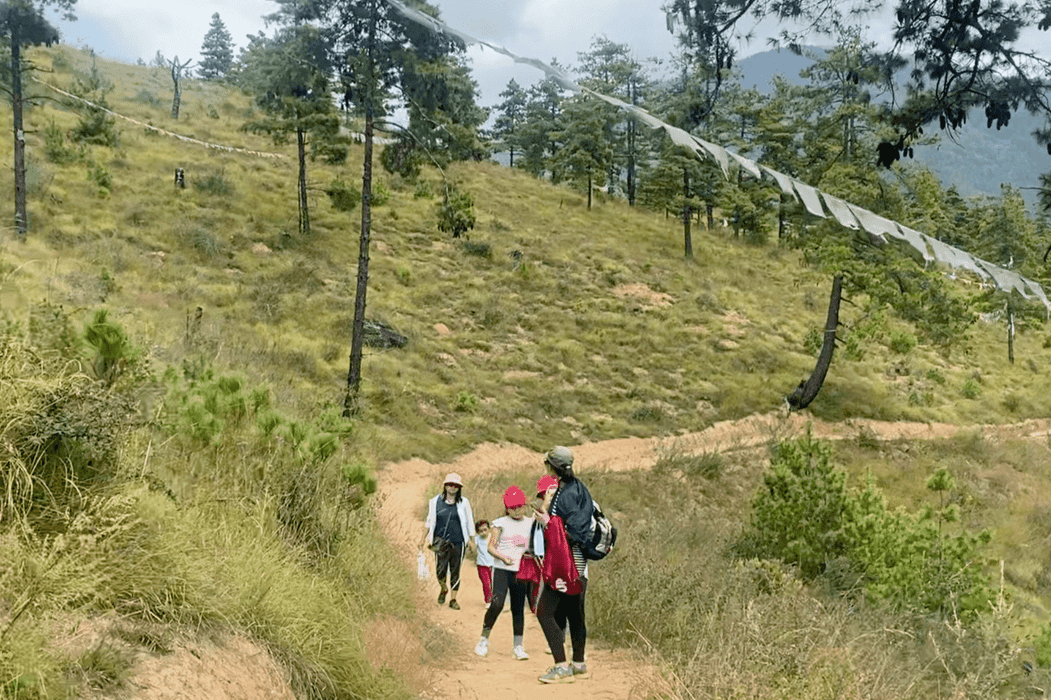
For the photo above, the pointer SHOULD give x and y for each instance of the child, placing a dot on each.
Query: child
(507, 543)
(535, 550)
(484, 559)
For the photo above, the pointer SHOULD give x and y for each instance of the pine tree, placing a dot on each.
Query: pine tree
(24, 23)
(217, 52)
(509, 116)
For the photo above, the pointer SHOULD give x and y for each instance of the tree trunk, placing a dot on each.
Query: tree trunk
(177, 98)
(589, 191)
(21, 217)
(781, 219)
(512, 156)
(686, 214)
(350, 401)
(1010, 334)
(807, 391)
(631, 163)
(710, 211)
(304, 206)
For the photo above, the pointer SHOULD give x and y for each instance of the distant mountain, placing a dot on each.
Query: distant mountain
(977, 162)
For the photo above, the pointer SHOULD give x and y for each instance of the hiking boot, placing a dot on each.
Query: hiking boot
(441, 598)
(454, 605)
(580, 670)
(482, 648)
(519, 653)
(557, 674)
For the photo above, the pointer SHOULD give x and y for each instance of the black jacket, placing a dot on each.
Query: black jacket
(573, 503)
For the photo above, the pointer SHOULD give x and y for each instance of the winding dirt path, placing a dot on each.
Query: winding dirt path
(614, 673)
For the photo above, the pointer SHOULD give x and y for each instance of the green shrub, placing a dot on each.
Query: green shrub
(148, 97)
(971, 388)
(343, 195)
(55, 149)
(466, 402)
(934, 375)
(114, 353)
(380, 194)
(214, 184)
(804, 516)
(423, 190)
(402, 158)
(797, 516)
(100, 176)
(456, 212)
(902, 343)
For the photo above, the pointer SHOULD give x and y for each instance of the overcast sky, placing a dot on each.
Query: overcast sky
(126, 30)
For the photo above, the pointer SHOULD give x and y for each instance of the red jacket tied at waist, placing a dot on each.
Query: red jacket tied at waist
(560, 572)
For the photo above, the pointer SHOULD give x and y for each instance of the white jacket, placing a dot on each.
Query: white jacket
(463, 512)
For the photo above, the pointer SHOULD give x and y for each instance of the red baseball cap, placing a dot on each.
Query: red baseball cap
(513, 497)
(544, 483)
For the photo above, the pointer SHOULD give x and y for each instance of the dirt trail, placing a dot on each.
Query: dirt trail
(614, 673)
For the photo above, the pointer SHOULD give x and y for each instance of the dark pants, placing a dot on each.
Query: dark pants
(447, 559)
(553, 610)
(504, 581)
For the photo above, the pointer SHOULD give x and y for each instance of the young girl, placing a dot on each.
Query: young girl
(484, 559)
(507, 543)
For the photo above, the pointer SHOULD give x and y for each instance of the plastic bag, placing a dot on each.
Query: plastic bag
(422, 572)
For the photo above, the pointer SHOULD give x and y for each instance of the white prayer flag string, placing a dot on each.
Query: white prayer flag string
(162, 131)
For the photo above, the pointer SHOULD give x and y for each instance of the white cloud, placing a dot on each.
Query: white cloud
(126, 30)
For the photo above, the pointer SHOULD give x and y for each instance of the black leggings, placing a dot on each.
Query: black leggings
(504, 581)
(553, 611)
(448, 559)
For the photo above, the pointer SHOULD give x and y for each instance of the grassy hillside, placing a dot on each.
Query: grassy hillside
(556, 322)
(550, 324)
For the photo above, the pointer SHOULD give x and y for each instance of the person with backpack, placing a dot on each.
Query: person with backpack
(566, 515)
(448, 532)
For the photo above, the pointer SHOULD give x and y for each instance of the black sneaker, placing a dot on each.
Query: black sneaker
(441, 598)
(454, 605)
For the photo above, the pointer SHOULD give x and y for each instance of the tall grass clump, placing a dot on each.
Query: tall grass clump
(201, 520)
(724, 625)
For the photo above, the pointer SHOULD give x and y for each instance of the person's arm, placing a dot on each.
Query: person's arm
(494, 540)
(429, 523)
(471, 532)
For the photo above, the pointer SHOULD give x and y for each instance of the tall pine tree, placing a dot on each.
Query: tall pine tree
(509, 116)
(217, 52)
(22, 23)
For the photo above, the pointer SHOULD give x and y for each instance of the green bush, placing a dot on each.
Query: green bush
(55, 149)
(798, 515)
(456, 212)
(214, 184)
(804, 515)
(971, 388)
(114, 354)
(343, 195)
(902, 343)
(402, 158)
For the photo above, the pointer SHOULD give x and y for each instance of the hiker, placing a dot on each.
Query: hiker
(507, 544)
(483, 559)
(448, 533)
(532, 561)
(566, 517)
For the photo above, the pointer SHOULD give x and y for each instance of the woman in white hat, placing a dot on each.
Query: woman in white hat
(449, 532)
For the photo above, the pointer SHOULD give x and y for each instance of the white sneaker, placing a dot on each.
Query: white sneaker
(482, 648)
(519, 653)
